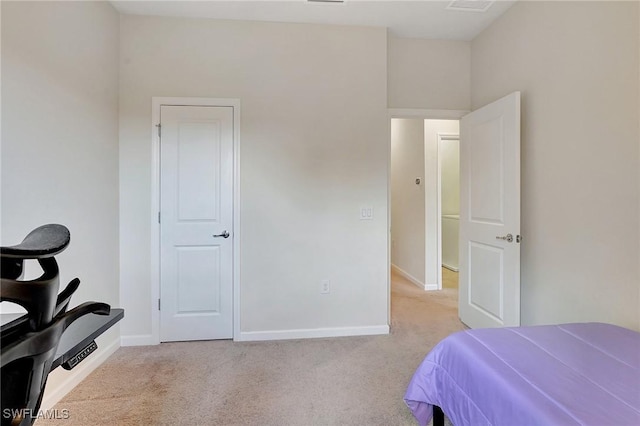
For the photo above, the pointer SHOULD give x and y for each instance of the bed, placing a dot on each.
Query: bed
(565, 374)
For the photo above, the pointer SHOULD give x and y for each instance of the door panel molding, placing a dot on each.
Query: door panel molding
(156, 103)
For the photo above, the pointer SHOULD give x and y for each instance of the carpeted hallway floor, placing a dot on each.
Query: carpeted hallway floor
(449, 278)
(336, 381)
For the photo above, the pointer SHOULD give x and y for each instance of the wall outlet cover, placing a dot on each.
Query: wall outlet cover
(325, 287)
(366, 213)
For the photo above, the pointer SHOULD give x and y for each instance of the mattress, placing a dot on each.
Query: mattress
(565, 374)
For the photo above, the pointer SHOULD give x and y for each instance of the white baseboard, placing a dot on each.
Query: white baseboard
(312, 333)
(411, 278)
(77, 375)
(414, 280)
(449, 267)
(147, 339)
(138, 340)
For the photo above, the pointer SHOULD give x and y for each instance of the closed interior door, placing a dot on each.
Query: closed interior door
(490, 215)
(196, 222)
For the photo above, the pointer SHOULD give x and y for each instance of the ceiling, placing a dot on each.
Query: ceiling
(428, 19)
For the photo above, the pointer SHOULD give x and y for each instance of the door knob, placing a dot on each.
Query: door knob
(508, 238)
(224, 234)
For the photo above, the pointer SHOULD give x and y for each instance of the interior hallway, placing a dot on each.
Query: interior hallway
(449, 278)
(335, 381)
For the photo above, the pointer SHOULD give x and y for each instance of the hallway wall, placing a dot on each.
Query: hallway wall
(407, 198)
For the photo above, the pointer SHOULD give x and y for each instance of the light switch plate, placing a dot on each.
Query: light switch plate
(325, 286)
(366, 213)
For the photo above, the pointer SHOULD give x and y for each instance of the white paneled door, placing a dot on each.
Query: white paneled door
(489, 288)
(196, 222)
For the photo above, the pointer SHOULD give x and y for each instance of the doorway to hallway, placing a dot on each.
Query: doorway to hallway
(424, 199)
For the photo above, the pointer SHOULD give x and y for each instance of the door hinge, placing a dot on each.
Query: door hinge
(158, 304)
(159, 126)
(158, 217)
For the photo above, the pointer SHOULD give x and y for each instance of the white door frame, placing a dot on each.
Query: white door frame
(424, 114)
(441, 137)
(156, 103)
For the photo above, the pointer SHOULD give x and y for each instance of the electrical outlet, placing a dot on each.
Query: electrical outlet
(325, 287)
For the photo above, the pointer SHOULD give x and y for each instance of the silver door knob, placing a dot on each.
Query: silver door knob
(224, 234)
(508, 238)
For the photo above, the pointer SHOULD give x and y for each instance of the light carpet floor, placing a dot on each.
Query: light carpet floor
(449, 278)
(335, 381)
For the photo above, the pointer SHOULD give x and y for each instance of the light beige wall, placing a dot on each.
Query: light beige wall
(407, 198)
(576, 64)
(60, 143)
(428, 74)
(314, 131)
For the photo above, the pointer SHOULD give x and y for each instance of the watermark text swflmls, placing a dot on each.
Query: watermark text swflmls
(54, 414)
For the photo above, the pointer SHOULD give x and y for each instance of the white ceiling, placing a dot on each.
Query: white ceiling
(415, 19)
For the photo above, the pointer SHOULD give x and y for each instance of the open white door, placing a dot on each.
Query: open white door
(489, 288)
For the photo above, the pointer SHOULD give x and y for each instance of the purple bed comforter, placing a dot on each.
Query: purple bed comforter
(566, 374)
